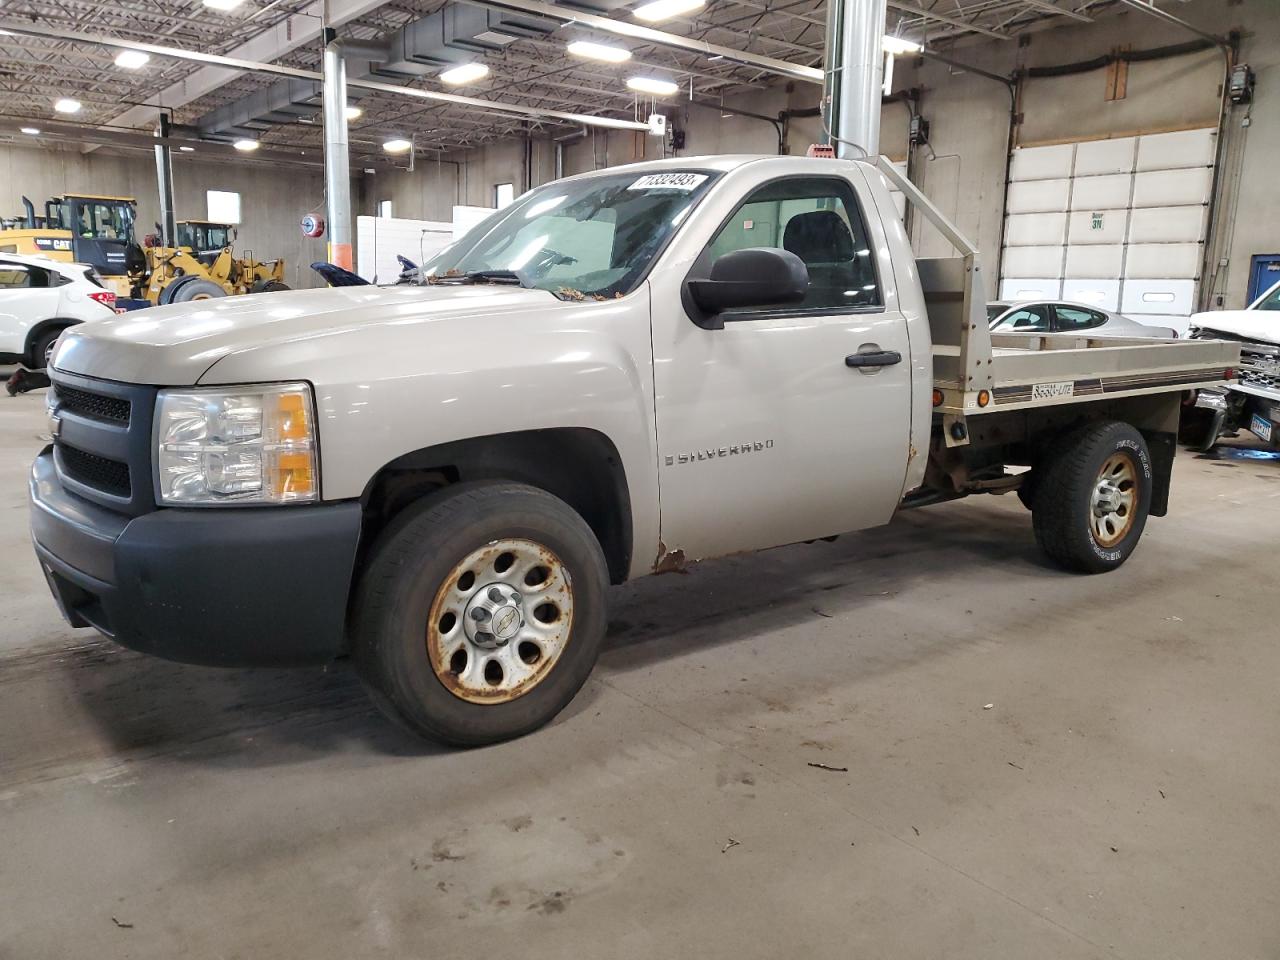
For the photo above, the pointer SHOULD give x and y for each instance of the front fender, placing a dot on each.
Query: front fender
(389, 389)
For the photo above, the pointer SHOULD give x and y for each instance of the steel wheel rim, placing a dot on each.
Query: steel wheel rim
(1114, 501)
(500, 621)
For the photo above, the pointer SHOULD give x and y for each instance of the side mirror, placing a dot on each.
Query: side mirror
(755, 277)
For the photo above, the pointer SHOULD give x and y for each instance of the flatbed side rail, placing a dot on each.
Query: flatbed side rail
(955, 293)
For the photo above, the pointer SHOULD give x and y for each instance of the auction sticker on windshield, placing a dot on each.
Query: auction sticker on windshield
(669, 181)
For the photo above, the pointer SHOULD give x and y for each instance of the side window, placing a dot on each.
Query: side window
(1034, 319)
(1076, 318)
(817, 219)
(20, 276)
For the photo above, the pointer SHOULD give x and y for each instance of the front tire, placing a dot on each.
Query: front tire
(480, 613)
(1091, 503)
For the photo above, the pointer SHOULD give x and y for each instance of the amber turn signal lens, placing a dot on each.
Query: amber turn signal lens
(983, 398)
(293, 417)
(937, 398)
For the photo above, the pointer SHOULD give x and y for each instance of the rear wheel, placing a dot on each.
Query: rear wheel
(42, 349)
(269, 286)
(197, 288)
(481, 613)
(1091, 502)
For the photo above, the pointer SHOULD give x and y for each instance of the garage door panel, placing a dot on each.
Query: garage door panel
(1096, 158)
(1033, 262)
(1042, 163)
(1157, 261)
(1136, 220)
(1185, 148)
(1104, 294)
(1167, 224)
(1036, 229)
(1158, 297)
(1101, 193)
(1038, 196)
(1098, 262)
(1169, 188)
(1031, 289)
(1098, 226)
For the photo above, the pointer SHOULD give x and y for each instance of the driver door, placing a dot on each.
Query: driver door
(766, 434)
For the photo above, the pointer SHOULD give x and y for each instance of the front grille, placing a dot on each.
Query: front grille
(95, 405)
(1259, 369)
(109, 476)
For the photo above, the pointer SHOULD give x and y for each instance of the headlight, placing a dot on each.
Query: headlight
(244, 445)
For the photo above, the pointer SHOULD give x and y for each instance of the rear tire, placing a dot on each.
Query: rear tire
(42, 348)
(1091, 501)
(197, 288)
(434, 635)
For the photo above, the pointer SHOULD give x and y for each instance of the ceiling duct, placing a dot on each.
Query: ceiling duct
(456, 34)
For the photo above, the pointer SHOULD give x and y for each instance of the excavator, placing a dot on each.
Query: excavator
(99, 231)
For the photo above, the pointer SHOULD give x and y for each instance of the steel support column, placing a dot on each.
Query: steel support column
(337, 161)
(164, 179)
(854, 76)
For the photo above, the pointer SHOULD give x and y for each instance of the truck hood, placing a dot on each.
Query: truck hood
(1256, 326)
(176, 345)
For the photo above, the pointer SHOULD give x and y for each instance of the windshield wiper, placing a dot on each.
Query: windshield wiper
(480, 276)
(495, 276)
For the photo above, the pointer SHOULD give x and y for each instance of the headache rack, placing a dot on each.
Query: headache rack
(976, 373)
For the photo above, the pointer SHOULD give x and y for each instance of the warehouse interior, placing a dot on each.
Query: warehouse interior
(915, 740)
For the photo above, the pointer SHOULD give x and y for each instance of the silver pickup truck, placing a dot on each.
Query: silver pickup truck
(619, 374)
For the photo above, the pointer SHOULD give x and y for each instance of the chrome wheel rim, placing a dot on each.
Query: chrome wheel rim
(1114, 502)
(500, 621)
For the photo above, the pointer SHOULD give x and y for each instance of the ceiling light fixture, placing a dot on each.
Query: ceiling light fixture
(67, 105)
(31, 131)
(397, 145)
(187, 149)
(466, 73)
(898, 45)
(659, 88)
(132, 59)
(222, 4)
(599, 51)
(666, 9)
(354, 113)
(245, 145)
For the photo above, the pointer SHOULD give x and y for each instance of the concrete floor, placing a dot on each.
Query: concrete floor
(1117, 798)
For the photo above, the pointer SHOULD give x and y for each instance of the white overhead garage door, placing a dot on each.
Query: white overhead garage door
(1115, 223)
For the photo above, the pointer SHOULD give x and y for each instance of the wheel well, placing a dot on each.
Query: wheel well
(578, 465)
(40, 329)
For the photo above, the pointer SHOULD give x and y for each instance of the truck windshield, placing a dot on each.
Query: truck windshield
(1270, 301)
(596, 237)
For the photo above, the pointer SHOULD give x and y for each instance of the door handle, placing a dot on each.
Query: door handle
(881, 358)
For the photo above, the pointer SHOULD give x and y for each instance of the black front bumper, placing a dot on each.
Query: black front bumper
(226, 587)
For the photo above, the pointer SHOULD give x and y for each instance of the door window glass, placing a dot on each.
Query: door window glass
(1077, 318)
(817, 219)
(1033, 319)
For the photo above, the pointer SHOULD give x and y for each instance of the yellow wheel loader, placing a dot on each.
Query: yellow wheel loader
(181, 274)
(81, 228)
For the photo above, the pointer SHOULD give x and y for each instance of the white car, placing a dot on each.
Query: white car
(1058, 316)
(39, 298)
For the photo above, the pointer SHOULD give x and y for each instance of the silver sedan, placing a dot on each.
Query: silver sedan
(1056, 316)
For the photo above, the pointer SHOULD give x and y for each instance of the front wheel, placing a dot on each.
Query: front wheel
(481, 612)
(1090, 504)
